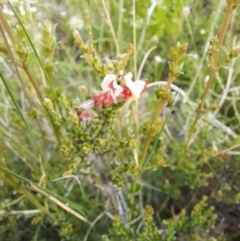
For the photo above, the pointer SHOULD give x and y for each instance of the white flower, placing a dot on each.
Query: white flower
(158, 59)
(186, 11)
(110, 91)
(76, 23)
(133, 89)
(109, 83)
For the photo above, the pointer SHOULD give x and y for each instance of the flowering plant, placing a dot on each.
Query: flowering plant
(112, 91)
(155, 156)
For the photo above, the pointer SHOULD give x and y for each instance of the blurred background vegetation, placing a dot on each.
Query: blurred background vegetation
(183, 194)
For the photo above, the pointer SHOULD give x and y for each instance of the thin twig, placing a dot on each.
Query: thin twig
(15, 64)
(93, 224)
(20, 212)
(213, 68)
(210, 117)
(144, 61)
(59, 203)
(112, 191)
(109, 22)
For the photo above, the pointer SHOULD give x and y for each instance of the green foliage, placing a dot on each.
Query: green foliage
(121, 232)
(80, 161)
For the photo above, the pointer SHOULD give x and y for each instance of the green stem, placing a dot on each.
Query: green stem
(27, 194)
(161, 104)
(56, 131)
(213, 69)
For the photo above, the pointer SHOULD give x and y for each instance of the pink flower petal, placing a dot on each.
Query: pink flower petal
(131, 86)
(103, 99)
(84, 115)
(117, 90)
(108, 81)
(88, 104)
(111, 90)
(141, 85)
(133, 89)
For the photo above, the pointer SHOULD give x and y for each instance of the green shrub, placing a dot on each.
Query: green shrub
(119, 120)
